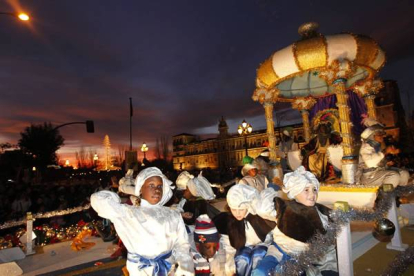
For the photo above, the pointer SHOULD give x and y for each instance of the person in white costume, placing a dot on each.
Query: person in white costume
(252, 178)
(298, 220)
(245, 236)
(195, 194)
(154, 235)
(372, 168)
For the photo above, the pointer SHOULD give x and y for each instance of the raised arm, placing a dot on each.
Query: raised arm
(107, 204)
(127, 189)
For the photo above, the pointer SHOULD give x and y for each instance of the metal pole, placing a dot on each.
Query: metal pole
(130, 124)
(245, 144)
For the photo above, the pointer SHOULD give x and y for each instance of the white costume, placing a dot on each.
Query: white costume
(245, 197)
(294, 184)
(258, 182)
(198, 186)
(148, 231)
(127, 186)
(372, 168)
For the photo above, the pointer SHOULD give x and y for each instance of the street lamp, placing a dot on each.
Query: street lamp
(245, 129)
(22, 16)
(144, 149)
(95, 160)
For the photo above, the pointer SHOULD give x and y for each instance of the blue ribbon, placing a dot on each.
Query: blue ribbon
(160, 264)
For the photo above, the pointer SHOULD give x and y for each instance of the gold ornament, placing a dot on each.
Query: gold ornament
(303, 103)
(338, 69)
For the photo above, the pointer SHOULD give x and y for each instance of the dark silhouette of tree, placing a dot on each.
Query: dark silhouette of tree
(41, 143)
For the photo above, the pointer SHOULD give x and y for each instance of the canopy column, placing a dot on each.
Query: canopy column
(369, 101)
(336, 74)
(367, 90)
(268, 106)
(268, 97)
(304, 105)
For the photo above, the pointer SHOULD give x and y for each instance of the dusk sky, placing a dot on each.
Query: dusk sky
(184, 63)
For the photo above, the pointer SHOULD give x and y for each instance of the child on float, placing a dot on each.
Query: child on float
(298, 220)
(244, 235)
(251, 177)
(208, 254)
(154, 235)
(194, 195)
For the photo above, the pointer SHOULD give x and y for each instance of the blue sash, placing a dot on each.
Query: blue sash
(247, 258)
(160, 264)
(285, 256)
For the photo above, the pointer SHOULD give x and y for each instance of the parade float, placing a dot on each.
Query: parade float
(319, 73)
(333, 76)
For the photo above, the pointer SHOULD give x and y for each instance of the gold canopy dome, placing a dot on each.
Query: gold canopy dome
(297, 71)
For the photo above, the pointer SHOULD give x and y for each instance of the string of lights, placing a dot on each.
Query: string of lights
(13, 223)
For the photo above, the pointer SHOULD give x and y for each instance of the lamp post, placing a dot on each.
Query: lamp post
(245, 129)
(144, 149)
(95, 160)
(22, 16)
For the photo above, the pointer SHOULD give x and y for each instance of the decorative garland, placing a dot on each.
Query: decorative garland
(12, 223)
(321, 243)
(400, 263)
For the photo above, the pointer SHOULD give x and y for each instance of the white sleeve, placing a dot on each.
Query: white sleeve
(369, 156)
(107, 204)
(266, 182)
(127, 189)
(266, 206)
(230, 266)
(181, 249)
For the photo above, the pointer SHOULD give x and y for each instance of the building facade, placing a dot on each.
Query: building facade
(390, 112)
(228, 150)
(225, 151)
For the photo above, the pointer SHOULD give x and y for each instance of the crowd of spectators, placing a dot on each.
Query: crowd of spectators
(16, 199)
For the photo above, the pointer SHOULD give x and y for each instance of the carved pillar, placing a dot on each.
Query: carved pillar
(367, 90)
(267, 97)
(304, 105)
(369, 101)
(336, 74)
(344, 111)
(268, 106)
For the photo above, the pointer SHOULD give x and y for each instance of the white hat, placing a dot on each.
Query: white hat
(200, 186)
(265, 153)
(150, 172)
(246, 168)
(373, 126)
(372, 130)
(285, 132)
(182, 180)
(295, 182)
(242, 196)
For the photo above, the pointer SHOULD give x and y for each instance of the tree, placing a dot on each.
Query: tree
(81, 158)
(6, 146)
(41, 142)
(162, 149)
(108, 157)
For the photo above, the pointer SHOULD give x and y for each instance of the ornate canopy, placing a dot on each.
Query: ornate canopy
(297, 70)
